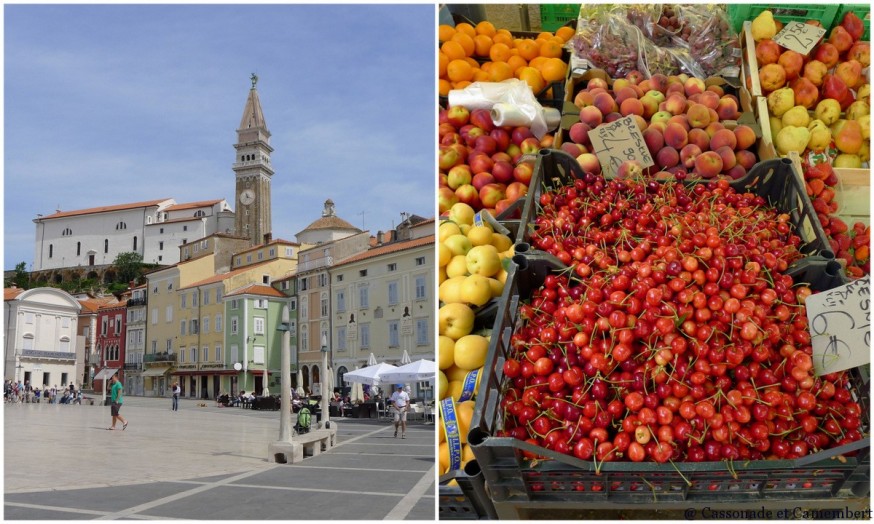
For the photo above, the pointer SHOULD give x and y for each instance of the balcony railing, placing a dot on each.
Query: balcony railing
(159, 357)
(132, 366)
(137, 302)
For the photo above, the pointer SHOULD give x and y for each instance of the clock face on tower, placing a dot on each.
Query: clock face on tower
(247, 197)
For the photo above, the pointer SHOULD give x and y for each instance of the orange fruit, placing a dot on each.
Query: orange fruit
(553, 70)
(516, 61)
(453, 50)
(481, 76)
(503, 37)
(528, 49)
(466, 42)
(466, 28)
(544, 35)
(499, 52)
(482, 44)
(459, 70)
(461, 85)
(486, 28)
(445, 32)
(500, 71)
(443, 87)
(442, 62)
(487, 66)
(550, 49)
(538, 62)
(473, 63)
(531, 76)
(565, 33)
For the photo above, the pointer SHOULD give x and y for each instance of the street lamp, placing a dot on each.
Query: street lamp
(285, 450)
(324, 377)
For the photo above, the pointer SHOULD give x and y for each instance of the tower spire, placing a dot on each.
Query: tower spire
(253, 171)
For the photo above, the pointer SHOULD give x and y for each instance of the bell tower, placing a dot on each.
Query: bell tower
(253, 172)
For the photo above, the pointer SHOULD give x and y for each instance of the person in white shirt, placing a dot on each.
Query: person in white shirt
(400, 403)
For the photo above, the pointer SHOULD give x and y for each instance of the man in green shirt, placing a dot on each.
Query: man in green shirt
(116, 398)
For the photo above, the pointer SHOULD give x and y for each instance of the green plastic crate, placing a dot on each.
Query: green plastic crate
(863, 11)
(553, 16)
(825, 13)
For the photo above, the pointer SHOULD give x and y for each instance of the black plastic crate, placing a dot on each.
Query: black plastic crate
(775, 180)
(568, 482)
(467, 500)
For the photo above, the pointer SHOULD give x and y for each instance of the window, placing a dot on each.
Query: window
(218, 323)
(194, 327)
(78, 248)
(234, 304)
(303, 284)
(104, 326)
(205, 324)
(304, 310)
(135, 243)
(393, 334)
(204, 353)
(184, 228)
(154, 315)
(235, 353)
(182, 354)
(154, 346)
(289, 251)
(248, 258)
(363, 301)
(261, 303)
(184, 300)
(65, 322)
(117, 324)
(218, 295)
(67, 232)
(292, 304)
(169, 345)
(106, 245)
(323, 280)
(362, 273)
(341, 301)
(259, 326)
(393, 293)
(237, 263)
(194, 298)
(392, 267)
(161, 245)
(324, 304)
(340, 344)
(364, 334)
(304, 338)
(162, 230)
(65, 346)
(272, 252)
(339, 278)
(265, 279)
(218, 353)
(420, 261)
(27, 343)
(234, 325)
(199, 213)
(206, 297)
(28, 318)
(260, 255)
(421, 289)
(258, 356)
(169, 286)
(292, 328)
(51, 250)
(120, 226)
(194, 354)
(422, 332)
(168, 313)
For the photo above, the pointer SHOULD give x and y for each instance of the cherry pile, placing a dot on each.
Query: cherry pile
(674, 332)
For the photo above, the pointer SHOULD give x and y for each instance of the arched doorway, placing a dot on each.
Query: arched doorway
(305, 373)
(342, 386)
(316, 379)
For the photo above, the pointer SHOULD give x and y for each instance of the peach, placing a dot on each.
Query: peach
(659, 82)
(650, 105)
(772, 77)
(723, 138)
(623, 94)
(589, 163)
(792, 63)
(631, 106)
(694, 85)
(635, 77)
(579, 133)
(481, 179)
(682, 120)
(708, 164)
(573, 149)
(745, 136)
(716, 89)
(675, 89)
(583, 99)
(612, 117)
(591, 116)
(469, 195)
(661, 116)
(745, 158)
(827, 54)
(727, 155)
(654, 139)
(726, 109)
(709, 99)
(605, 103)
(806, 94)
(767, 52)
(667, 157)
(698, 115)
(620, 83)
(630, 169)
(737, 172)
(641, 122)
(675, 104)
(815, 71)
(597, 82)
(714, 116)
(676, 136)
(700, 138)
(713, 128)
(688, 155)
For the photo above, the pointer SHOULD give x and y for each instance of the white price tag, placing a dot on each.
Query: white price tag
(799, 37)
(617, 142)
(839, 320)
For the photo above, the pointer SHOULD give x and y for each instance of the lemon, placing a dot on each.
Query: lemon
(471, 351)
(445, 254)
(442, 385)
(445, 352)
(447, 229)
(480, 235)
(476, 290)
(450, 289)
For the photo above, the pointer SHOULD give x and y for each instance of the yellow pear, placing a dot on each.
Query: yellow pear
(445, 254)
(763, 26)
(457, 267)
(780, 101)
(797, 116)
(450, 290)
(828, 110)
(445, 352)
(820, 135)
(447, 229)
(776, 126)
(792, 138)
(480, 235)
(476, 290)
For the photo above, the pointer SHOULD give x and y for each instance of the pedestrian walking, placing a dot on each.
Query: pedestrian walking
(116, 397)
(400, 403)
(176, 391)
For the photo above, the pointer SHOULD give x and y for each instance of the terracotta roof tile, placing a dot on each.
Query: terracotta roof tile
(192, 205)
(389, 248)
(257, 289)
(10, 293)
(91, 305)
(218, 278)
(105, 209)
(331, 222)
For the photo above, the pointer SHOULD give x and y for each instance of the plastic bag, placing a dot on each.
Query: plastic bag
(515, 101)
(655, 21)
(710, 40)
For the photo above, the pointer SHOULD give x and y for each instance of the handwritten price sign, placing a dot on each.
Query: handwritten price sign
(799, 37)
(839, 321)
(617, 142)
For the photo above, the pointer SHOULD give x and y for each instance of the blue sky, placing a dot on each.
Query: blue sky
(110, 104)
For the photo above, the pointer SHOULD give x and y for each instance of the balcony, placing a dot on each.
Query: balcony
(159, 357)
(137, 302)
(132, 366)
